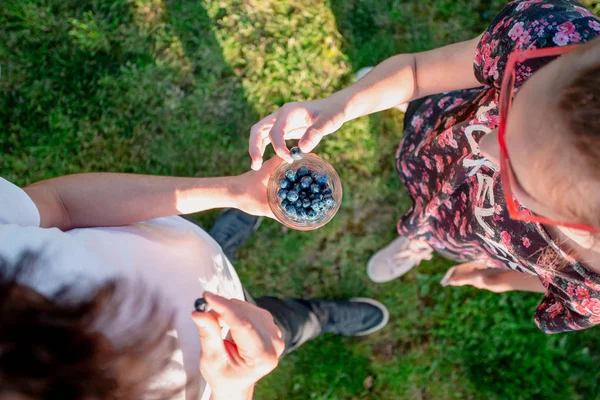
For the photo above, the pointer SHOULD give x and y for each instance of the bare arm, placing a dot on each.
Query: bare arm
(407, 77)
(108, 199)
(397, 80)
(494, 280)
(512, 280)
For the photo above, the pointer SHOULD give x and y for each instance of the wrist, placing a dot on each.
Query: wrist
(201, 194)
(342, 101)
(234, 190)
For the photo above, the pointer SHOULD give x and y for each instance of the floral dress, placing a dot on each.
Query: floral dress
(458, 201)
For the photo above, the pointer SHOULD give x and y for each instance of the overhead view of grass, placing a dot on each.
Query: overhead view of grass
(173, 86)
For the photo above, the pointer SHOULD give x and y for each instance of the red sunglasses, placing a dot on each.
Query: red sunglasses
(506, 173)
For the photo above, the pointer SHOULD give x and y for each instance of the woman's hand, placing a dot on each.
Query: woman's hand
(232, 368)
(250, 189)
(308, 121)
(492, 279)
(474, 274)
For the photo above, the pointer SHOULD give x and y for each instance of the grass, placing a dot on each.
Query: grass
(172, 87)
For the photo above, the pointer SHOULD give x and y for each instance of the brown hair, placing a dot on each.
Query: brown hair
(51, 348)
(579, 104)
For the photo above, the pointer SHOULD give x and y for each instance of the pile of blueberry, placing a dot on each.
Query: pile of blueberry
(305, 194)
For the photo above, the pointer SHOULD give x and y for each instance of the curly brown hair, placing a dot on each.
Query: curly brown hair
(52, 348)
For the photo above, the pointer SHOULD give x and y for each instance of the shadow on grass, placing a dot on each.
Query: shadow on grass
(215, 114)
(120, 86)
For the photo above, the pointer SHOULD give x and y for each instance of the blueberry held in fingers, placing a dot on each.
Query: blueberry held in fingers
(201, 305)
(296, 153)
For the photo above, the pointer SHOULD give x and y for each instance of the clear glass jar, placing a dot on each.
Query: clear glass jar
(317, 167)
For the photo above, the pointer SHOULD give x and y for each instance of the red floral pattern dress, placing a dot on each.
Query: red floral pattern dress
(458, 202)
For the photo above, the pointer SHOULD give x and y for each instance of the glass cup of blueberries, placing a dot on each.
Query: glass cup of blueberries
(306, 194)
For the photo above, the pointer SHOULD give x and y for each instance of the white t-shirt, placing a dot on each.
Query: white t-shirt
(169, 255)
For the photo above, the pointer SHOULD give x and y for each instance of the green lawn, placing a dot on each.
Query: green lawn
(173, 87)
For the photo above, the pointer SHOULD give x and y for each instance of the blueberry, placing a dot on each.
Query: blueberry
(291, 175)
(326, 192)
(303, 171)
(317, 196)
(292, 195)
(282, 194)
(285, 203)
(328, 200)
(312, 214)
(303, 194)
(315, 188)
(322, 180)
(321, 205)
(296, 153)
(290, 209)
(305, 182)
(201, 305)
(302, 213)
(298, 204)
(296, 187)
(284, 183)
(306, 203)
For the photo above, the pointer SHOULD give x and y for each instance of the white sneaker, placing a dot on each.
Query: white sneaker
(397, 258)
(363, 71)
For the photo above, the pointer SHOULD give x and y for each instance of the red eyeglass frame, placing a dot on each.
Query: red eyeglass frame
(506, 173)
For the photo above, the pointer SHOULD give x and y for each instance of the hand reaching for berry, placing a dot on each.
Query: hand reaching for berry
(232, 367)
(308, 121)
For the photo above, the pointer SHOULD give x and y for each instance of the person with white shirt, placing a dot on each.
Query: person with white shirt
(98, 279)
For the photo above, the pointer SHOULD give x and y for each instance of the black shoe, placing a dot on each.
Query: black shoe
(232, 229)
(354, 317)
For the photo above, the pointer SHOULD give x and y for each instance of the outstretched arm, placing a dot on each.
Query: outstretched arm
(494, 280)
(395, 81)
(110, 199)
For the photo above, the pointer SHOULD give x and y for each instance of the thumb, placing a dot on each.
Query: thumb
(322, 126)
(210, 335)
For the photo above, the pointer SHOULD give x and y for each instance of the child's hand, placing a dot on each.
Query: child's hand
(473, 274)
(251, 189)
(307, 120)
